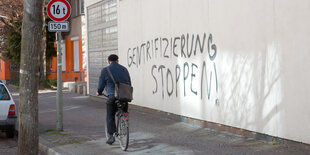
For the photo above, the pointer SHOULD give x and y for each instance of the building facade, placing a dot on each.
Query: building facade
(72, 47)
(5, 66)
(236, 63)
(5, 73)
(101, 38)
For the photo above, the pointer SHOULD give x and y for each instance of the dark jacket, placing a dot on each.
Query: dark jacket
(120, 74)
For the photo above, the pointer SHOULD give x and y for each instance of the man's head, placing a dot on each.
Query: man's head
(113, 58)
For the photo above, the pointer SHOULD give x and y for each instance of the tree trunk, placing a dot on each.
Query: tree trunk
(43, 58)
(29, 77)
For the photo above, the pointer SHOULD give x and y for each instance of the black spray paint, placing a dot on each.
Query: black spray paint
(185, 46)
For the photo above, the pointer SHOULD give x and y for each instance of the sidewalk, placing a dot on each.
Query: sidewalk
(151, 132)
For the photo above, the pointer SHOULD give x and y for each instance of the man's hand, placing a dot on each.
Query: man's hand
(97, 94)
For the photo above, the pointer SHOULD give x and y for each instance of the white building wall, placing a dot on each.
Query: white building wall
(84, 46)
(101, 38)
(87, 3)
(255, 56)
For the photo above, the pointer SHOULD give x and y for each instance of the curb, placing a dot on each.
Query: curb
(45, 149)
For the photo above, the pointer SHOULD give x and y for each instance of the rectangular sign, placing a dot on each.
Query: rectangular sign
(58, 26)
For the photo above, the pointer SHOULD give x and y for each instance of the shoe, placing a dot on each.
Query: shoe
(111, 140)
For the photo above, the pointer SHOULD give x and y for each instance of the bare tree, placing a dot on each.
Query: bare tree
(43, 55)
(11, 12)
(29, 77)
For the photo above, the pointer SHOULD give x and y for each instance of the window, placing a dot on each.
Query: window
(4, 95)
(76, 60)
(63, 52)
(77, 7)
(81, 8)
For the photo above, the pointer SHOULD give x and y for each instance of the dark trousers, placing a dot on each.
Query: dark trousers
(111, 110)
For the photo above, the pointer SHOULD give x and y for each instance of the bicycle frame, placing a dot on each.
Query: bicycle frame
(120, 113)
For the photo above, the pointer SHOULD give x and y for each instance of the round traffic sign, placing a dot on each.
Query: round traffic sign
(59, 10)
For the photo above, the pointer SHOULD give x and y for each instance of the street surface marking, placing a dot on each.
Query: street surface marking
(80, 97)
(67, 108)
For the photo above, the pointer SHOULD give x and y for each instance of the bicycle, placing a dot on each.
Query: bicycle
(122, 125)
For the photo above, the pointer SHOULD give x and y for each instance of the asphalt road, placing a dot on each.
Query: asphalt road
(7, 145)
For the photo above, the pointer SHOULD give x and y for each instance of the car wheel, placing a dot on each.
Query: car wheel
(11, 132)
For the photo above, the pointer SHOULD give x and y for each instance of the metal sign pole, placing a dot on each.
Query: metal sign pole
(59, 11)
(59, 103)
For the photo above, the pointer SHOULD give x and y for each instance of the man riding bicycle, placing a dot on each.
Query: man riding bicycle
(120, 74)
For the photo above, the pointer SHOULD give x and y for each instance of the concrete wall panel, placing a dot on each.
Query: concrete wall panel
(247, 67)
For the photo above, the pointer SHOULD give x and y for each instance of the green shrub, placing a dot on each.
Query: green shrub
(52, 82)
(15, 83)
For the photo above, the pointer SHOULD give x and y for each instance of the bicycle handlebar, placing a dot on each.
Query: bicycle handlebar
(105, 95)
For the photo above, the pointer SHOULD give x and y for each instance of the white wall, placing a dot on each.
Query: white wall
(102, 39)
(87, 3)
(84, 47)
(63, 57)
(258, 79)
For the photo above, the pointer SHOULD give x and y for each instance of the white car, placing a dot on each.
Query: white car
(7, 111)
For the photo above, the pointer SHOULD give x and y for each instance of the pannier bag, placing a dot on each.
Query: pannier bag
(123, 92)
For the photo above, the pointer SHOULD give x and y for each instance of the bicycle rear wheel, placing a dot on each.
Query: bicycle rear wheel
(123, 131)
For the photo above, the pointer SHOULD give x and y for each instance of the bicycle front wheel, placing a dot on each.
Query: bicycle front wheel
(123, 132)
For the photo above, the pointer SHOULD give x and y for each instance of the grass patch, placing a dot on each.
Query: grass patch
(52, 82)
(59, 138)
(49, 130)
(276, 143)
(61, 134)
(15, 83)
(74, 141)
(67, 141)
(54, 132)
